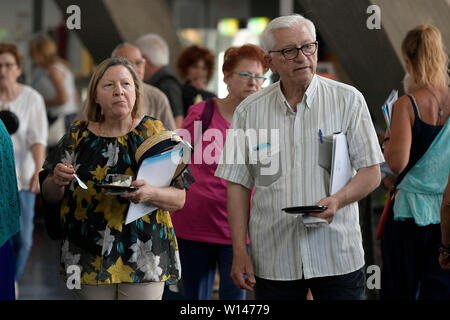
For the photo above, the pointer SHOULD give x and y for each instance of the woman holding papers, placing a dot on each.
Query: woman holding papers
(111, 259)
(418, 150)
(201, 226)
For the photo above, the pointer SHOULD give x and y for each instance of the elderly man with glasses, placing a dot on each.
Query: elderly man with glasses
(289, 254)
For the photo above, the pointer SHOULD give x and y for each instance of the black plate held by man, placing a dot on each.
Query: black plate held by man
(305, 209)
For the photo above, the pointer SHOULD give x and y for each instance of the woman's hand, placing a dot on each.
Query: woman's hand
(63, 174)
(169, 198)
(145, 193)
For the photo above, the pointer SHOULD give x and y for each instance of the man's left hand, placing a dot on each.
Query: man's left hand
(333, 205)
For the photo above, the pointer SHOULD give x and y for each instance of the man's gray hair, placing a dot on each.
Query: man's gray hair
(155, 48)
(290, 21)
(121, 45)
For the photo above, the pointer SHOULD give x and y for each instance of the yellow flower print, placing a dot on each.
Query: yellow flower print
(107, 281)
(120, 272)
(89, 278)
(129, 172)
(81, 194)
(80, 213)
(64, 209)
(159, 127)
(122, 140)
(163, 217)
(97, 263)
(153, 127)
(100, 173)
(146, 218)
(76, 138)
(113, 211)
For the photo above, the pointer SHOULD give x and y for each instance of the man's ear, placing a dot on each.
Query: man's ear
(147, 59)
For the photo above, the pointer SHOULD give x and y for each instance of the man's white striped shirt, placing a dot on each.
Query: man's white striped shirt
(281, 247)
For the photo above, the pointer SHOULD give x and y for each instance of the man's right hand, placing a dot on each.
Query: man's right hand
(242, 272)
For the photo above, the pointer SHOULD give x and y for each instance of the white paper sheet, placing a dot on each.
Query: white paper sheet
(341, 168)
(157, 171)
(387, 107)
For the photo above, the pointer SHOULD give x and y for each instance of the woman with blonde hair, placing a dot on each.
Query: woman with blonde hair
(117, 261)
(55, 81)
(418, 149)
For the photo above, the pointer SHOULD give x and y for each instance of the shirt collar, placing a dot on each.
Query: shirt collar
(308, 97)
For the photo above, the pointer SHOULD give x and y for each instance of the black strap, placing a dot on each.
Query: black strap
(413, 101)
(206, 118)
(207, 114)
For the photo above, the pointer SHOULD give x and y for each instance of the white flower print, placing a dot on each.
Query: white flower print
(71, 158)
(106, 241)
(67, 257)
(145, 260)
(112, 154)
(177, 261)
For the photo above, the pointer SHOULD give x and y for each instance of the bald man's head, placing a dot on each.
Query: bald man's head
(132, 54)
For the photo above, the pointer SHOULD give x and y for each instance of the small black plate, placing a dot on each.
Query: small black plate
(115, 188)
(305, 209)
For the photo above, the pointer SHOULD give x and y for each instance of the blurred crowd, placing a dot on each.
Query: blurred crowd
(215, 217)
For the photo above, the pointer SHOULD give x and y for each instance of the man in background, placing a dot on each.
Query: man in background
(157, 73)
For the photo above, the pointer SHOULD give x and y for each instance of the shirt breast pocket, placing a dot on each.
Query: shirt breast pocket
(267, 168)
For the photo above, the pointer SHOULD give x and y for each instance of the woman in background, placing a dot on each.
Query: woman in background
(29, 143)
(418, 150)
(9, 214)
(201, 225)
(196, 68)
(55, 81)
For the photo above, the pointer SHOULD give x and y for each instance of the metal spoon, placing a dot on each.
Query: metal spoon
(80, 183)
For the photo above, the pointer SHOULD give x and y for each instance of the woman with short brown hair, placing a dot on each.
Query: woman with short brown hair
(196, 68)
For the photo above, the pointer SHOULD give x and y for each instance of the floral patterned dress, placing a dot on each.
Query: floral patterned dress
(96, 238)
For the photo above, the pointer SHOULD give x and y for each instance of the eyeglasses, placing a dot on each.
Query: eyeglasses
(248, 76)
(291, 53)
(8, 66)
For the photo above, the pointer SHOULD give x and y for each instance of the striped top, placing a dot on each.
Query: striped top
(281, 247)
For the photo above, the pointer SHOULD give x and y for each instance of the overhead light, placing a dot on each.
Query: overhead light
(228, 26)
(257, 25)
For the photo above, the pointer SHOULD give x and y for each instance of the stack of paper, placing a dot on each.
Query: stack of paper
(334, 157)
(387, 107)
(157, 171)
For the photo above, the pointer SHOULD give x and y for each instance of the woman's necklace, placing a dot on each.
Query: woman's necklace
(441, 112)
(99, 131)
